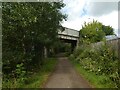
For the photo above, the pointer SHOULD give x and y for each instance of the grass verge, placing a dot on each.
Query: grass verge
(96, 81)
(36, 79)
(39, 78)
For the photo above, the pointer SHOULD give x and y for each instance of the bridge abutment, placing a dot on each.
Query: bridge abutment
(73, 45)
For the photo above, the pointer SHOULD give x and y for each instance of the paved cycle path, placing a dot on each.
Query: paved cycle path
(65, 76)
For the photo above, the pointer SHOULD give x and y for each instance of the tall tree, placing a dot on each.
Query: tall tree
(27, 28)
(108, 30)
(91, 32)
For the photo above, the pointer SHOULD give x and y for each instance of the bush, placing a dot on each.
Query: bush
(102, 61)
(71, 57)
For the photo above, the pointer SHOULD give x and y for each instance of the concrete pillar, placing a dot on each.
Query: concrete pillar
(77, 43)
(73, 45)
(45, 52)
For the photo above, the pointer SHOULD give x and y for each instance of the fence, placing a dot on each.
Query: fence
(115, 43)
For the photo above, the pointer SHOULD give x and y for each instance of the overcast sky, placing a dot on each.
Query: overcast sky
(79, 11)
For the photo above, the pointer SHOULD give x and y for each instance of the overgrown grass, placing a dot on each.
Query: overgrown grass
(100, 64)
(34, 80)
(96, 81)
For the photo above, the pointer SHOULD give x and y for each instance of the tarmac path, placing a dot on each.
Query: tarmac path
(65, 76)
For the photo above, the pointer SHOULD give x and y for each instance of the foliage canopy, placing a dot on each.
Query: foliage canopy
(27, 29)
(94, 32)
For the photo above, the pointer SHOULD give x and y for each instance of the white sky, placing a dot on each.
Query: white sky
(79, 11)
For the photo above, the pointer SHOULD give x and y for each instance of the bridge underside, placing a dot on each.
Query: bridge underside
(69, 36)
(72, 42)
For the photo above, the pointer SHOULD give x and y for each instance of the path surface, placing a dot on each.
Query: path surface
(65, 76)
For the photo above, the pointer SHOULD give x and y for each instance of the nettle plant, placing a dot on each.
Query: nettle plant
(102, 60)
(20, 72)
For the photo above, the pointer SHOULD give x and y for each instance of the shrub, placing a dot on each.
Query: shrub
(102, 61)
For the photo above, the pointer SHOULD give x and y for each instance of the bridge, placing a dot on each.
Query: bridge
(69, 36)
(72, 36)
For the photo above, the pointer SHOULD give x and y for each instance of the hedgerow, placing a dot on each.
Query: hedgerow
(101, 61)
